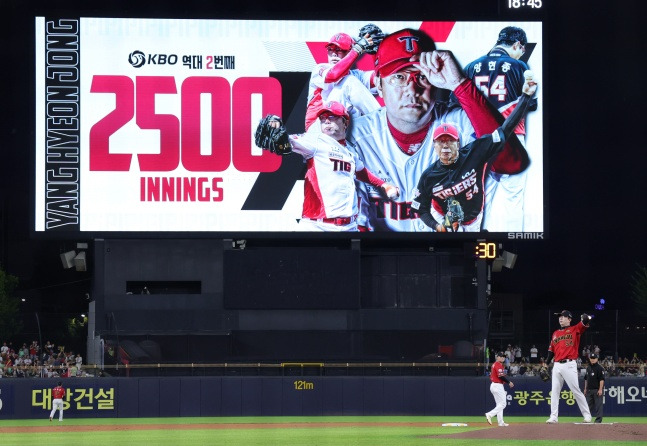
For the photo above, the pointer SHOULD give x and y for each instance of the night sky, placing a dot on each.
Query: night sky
(596, 177)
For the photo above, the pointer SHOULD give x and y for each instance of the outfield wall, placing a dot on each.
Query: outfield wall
(298, 395)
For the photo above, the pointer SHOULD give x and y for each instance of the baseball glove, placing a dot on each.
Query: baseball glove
(362, 44)
(454, 215)
(543, 373)
(272, 137)
(585, 318)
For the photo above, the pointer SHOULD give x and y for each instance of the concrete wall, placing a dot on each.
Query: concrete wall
(281, 302)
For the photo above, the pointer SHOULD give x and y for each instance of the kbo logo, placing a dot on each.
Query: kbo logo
(138, 59)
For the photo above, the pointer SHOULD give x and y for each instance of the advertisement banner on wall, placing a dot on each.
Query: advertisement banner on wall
(241, 396)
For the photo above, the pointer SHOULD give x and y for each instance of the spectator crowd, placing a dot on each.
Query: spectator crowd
(50, 361)
(518, 364)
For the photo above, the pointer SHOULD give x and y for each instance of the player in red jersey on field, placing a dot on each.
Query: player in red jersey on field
(58, 393)
(564, 347)
(498, 378)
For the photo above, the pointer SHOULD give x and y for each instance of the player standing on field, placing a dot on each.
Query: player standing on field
(450, 194)
(336, 81)
(499, 379)
(500, 76)
(395, 142)
(564, 347)
(330, 197)
(58, 393)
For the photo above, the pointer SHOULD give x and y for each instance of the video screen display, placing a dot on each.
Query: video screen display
(157, 126)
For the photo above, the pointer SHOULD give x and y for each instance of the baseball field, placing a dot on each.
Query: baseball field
(319, 431)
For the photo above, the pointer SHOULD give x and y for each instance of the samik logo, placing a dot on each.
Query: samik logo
(137, 59)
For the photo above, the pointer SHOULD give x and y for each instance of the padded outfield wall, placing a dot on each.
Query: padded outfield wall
(299, 395)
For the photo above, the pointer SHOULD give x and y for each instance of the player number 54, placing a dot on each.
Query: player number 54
(497, 87)
(470, 193)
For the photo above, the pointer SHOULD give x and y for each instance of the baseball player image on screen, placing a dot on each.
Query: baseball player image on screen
(451, 193)
(395, 141)
(564, 347)
(498, 379)
(58, 393)
(330, 198)
(337, 81)
(500, 76)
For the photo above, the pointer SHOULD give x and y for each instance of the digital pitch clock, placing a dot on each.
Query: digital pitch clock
(485, 250)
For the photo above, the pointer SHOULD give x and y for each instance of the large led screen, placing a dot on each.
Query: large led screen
(149, 125)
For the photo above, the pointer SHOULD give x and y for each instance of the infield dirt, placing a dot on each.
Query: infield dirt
(562, 431)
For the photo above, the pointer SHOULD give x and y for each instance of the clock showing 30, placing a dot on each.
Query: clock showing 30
(485, 250)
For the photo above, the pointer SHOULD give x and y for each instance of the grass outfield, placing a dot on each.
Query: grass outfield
(265, 431)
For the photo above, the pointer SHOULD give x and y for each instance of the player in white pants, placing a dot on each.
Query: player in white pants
(567, 373)
(564, 348)
(499, 379)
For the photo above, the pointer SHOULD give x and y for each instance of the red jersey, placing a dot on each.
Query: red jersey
(58, 393)
(498, 370)
(565, 343)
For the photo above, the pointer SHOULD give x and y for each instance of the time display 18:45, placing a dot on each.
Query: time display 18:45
(515, 4)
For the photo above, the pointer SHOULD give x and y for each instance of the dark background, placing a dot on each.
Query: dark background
(594, 97)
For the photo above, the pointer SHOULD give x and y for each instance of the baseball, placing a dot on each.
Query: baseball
(392, 192)
(528, 74)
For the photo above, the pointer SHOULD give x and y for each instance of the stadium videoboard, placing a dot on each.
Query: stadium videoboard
(148, 126)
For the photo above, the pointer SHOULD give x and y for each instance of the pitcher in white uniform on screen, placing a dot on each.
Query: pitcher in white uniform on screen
(330, 199)
(337, 81)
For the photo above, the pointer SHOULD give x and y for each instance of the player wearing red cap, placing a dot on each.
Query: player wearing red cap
(336, 81)
(395, 141)
(330, 198)
(450, 194)
(499, 379)
(564, 347)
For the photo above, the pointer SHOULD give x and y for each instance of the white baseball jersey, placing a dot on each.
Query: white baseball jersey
(329, 189)
(353, 90)
(380, 153)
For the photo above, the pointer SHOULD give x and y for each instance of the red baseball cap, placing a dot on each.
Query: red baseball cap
(343, 41)
(445, 129)
(396, 50)
(335, 108)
